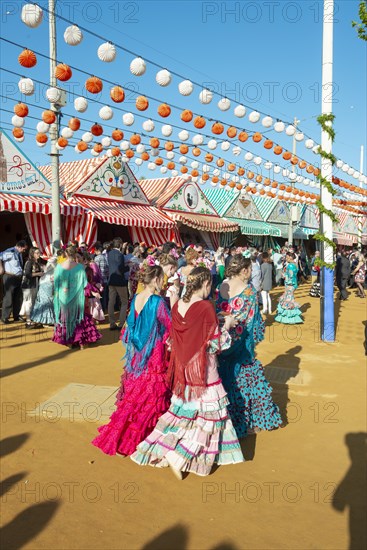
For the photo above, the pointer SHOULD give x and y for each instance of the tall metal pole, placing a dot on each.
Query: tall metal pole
(294, 149)
(54, 134)
(360, 217)
(327, 278)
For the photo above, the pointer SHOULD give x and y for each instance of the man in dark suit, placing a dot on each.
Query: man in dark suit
(342, 274)
(117, 283)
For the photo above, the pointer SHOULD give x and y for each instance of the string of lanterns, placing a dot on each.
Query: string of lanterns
(32, 15)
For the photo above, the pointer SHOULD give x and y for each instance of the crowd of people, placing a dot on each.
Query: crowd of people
(190, 320)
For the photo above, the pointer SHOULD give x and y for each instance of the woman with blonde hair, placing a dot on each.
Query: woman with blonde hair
(191, 258)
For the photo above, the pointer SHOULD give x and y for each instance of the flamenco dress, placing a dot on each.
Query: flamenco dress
(251, 406)
(288, 310)
(144, 394)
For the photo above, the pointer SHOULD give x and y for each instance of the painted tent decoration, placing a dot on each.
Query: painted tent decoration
(190, 198)
(350, 226)
(244, 208)
(113, 179)
(280, 213)
(18, 174)
(308, 218)
(337, 228)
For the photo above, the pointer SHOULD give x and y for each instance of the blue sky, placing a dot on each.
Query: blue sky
(264, 54)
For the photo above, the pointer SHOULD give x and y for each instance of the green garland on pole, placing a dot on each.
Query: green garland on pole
(326, 122)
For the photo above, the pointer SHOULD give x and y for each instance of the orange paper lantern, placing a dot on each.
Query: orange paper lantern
(257, 137)
(41, 138)
(169, 146)
(287, 155)
(18, 133)
(278, 150)
(145, 156)
(164, 110)
(183, 149)
(135, 139)
(74, 124)
(82, 146)
(49, 117)
(196, 152)
(209, 157)
(170, 165)
(96, 129)
(217, 128)
(21, 109)
(243, 136)
(116, 152)
(117, 94)
(62, 142)
(268, 144)
(199, 122)
(154, 142)
(98, 148)
(220, 162)
(63, 72)
(117, 135)
(142, 103)
(232, 132)
(94, 85)
(27, 59)
(186, 115)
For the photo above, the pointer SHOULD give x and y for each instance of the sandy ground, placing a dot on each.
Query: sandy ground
(302, 487)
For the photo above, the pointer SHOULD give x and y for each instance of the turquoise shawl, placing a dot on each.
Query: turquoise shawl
(69, 298)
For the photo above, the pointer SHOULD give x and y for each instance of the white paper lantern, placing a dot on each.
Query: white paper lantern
(76, 149)
(240, 111)
(267, 121)
(312, 183)
(163, 169)
(285, 172)
(26, 86)
(138, 162)
(163, 77)
(198, 139)
(216, 172)
(148, 125)
(59, 148)
(87, 137)
(299, 136)
(299, 179)
(106, 113)
(107, 52)
(252, 184)
(254, 116)
(182, 160)
(124, 145)
(67, 133)
(290, 130)
(154, 152)
(174, 173)
(194, 164)
(309, 143)
(225, 146)
(43, 127)
(268, 165)
(140, 148)
(306, 182)
(53, 95)
(43, 145)
(32, 15)
(185, 87)
(277, 169)
(170, 155)
(206, 168)
(124, 158)
(138, 66)
(183, 135)
(17, 121)
(226, 176)
(236, 151)
(109, 153)
(212, 144)
(106, 141)
(224, 104)
(279, 126)
(205, 96)
(167, 130)
(260, 186)
(80, 104)
(350, 171)
(94, 153)
(152, 165)
(213, 184)
(249, 156)
(293, 176)
(356, 174)
(258, 160)
(128, 119)
(316, 149)
(73, 35)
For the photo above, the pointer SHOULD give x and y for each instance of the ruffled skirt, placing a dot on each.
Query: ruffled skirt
(193, 435)
(95, 309)
(288, 311)
(143, 401)
(43, 308)
(84, 333)
(251, 406)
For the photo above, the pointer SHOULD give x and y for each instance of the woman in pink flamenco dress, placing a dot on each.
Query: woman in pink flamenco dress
(74, 327)
(144, 394)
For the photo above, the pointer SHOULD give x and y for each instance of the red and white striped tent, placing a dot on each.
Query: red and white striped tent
(107, 190)
(183, 201)
(25, 190)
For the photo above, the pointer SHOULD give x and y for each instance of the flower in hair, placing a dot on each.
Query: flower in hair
(174, 253)
(150, 260)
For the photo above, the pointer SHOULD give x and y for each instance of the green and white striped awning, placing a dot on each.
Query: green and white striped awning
(264, 206)
(309, 230)
(221, 199)
(256, 227)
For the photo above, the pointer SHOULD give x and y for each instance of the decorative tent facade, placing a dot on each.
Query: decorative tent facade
(184, 202)
(107, 191)
(25, 190)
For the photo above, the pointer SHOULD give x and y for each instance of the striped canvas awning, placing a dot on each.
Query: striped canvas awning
(256, 227)
(345, 239)
(265, 206)
(119, 213)
(74, 173)
(160, 190)
(204, 223)
(221, 199)
(36, 205)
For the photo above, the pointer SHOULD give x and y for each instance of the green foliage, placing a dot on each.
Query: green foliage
(362, 26)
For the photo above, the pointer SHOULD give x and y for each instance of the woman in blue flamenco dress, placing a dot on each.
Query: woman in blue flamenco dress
(251, 405)
(288, 311)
